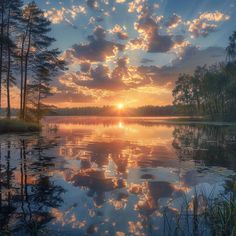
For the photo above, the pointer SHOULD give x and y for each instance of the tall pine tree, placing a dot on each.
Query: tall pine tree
(36, 59)
(14, 14)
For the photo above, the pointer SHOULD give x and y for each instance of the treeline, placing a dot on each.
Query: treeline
(210, 90)
(27, 60)
(113, 111)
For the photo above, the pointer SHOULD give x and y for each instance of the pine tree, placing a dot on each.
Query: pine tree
(36, 59)
(13, 8)
(47, 66)
(2, 45)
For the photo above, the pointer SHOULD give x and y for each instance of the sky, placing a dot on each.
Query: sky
(132, 51)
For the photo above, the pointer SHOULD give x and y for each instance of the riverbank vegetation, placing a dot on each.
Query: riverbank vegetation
(204, 213)
(210, 90)
(17, 126)
(27, 59)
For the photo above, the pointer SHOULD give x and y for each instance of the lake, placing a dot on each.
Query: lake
(114, 176)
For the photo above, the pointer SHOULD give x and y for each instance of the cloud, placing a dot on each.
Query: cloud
(68, 15)
(173, 21)
(119, 32)
(122, 77)
(146, 61)
(205, 23)
(65, 91)
(148, 28)
(214, 16)
(160, 43)
(85, 67)
(120, 1)
(137, 43)
(189, 60)
(93, 4)
(98, 49)
(136, 5)
(100, 78)
(95, 83)
(70, 97)
(125, 77)
(193, 56)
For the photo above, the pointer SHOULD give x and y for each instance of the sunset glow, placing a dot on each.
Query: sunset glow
(120, 106)
(138, 56)
(115, 115)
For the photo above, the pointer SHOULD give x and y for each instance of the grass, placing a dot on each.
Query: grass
(17, 126)
(204, 215)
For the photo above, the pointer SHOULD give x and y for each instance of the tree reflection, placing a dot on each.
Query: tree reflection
(209, 145)
(25, 205)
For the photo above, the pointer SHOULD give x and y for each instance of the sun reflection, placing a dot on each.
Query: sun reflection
(120, 125)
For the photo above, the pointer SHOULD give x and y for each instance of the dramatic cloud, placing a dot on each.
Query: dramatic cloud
(214, 16)
(122, 77)
(149, 31)
(191, 57)
(134, 49)
(136, 5)
(205, 23)
(119, 32)
(100, 78)
(57, 16)
(85, 67)
(173, 21)
(98, 49)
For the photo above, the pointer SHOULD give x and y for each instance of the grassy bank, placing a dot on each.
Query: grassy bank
(204, 214)
(17, 126)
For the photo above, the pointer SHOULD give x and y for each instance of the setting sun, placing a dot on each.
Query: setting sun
(120, 106)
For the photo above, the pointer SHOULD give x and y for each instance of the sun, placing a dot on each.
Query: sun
(120, 106)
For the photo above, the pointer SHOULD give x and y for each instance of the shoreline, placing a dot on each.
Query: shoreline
(18, 126)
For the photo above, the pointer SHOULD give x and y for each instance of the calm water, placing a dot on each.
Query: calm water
(110, 176)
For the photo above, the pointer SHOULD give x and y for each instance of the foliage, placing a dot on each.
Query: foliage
(210, 90)
(24, 48)
(205, 213)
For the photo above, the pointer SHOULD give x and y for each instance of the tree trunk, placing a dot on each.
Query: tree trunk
(26, 76)
(39, 101)
(8, 67)
(1, 52)
(22, 70)
(22, 76)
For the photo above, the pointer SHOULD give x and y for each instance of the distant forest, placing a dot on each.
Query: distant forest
(112, 111)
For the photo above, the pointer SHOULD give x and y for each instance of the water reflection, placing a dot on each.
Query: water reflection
(104, 176)
(27, 192)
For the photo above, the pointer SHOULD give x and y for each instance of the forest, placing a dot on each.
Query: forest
(210, 90)
(112, 111)
(27, 59)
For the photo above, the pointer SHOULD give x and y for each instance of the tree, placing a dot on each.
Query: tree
(231, 48)
(2, 44)
(35, 44)
(13, 17)
(183, 94)
(47, 66)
